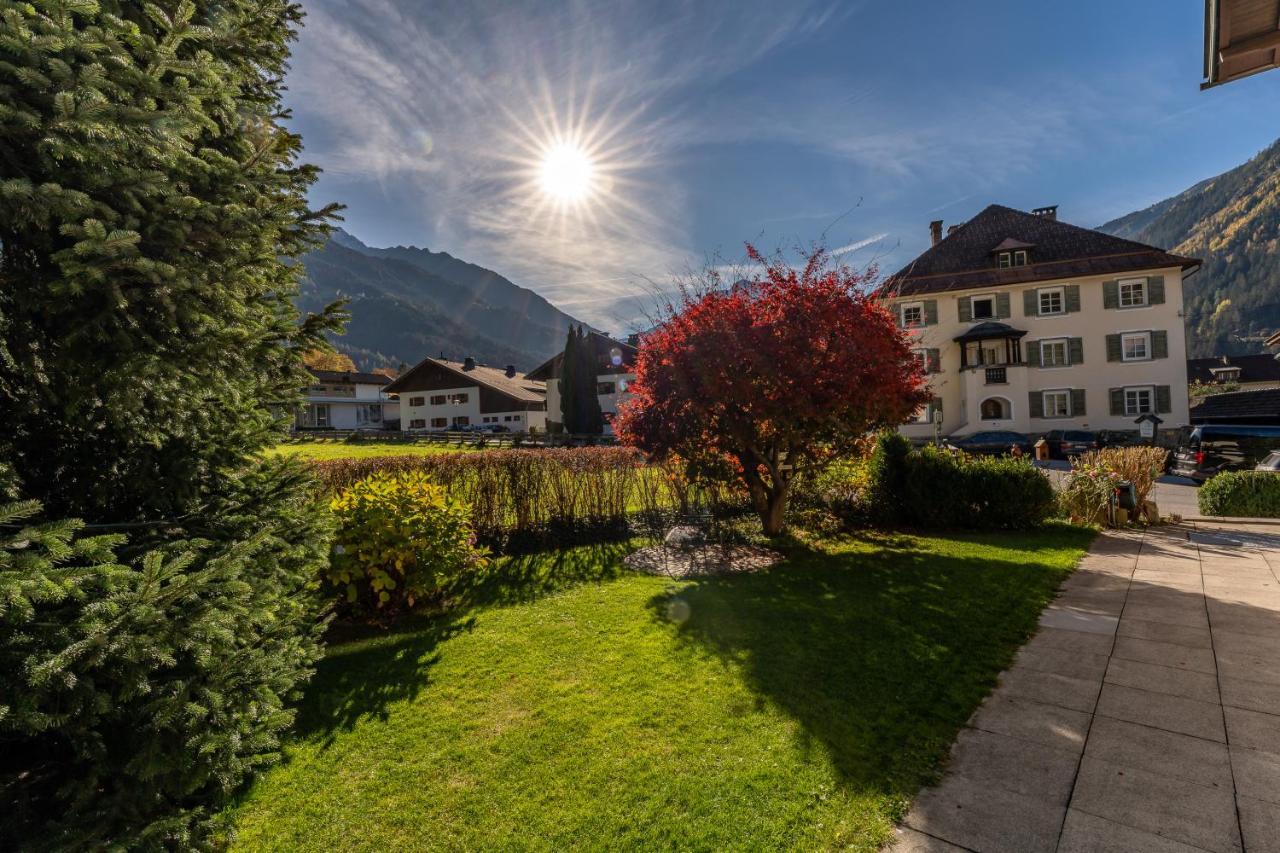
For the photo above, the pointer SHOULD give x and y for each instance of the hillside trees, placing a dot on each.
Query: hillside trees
(780, 373)
(149, 351)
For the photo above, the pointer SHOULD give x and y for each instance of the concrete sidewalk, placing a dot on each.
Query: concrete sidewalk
(1143, 716)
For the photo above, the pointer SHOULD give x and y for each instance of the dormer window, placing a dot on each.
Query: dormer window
(1016, 258)
(1020, 258)
(1006, 260)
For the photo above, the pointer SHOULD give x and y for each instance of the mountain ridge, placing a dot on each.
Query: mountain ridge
(407, 303)
(1232, 223)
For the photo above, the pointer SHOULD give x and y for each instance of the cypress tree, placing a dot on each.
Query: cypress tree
(568, 382)
(150, 198)
(590, 417)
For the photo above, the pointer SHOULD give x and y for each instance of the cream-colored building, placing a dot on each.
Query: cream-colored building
(1029, 324)
(615, 366)
(440, 395)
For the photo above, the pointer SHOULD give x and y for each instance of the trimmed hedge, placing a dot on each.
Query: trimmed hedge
(1243, 494)
(938, 489)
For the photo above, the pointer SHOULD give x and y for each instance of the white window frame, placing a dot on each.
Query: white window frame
(1064, 394)
(1138, 389)
(1007, 407)
(1066, 352)
(1004, 260)
(973, 300)
(1141, 283)
(1145, 337)
(922, 355)
(909, 306)
(1060, 292)
(1020, 258)
(439, 423)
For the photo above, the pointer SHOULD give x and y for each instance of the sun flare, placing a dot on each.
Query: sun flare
(567, 173)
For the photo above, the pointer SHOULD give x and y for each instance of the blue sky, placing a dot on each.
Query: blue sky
(712, 123)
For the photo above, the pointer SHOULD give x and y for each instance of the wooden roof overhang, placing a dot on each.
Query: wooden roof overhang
(1241, 37)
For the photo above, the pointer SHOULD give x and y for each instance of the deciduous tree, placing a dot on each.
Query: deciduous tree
(779, 373)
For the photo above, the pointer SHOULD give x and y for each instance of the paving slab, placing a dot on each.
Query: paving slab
(1172, 808)
(909, 841)
(1144, 715)
(1162, 679)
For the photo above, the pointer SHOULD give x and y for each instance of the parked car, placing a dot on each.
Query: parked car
(1211, 449)
(1271, 463)
(1065, 443)
(1119, 438)
(991, 443)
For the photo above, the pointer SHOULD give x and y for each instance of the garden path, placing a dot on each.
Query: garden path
(1143, 716)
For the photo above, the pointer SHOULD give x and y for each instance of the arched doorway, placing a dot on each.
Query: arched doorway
(995, 409)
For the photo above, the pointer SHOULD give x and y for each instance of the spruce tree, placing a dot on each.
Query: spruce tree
(568, 382)
(150, 198)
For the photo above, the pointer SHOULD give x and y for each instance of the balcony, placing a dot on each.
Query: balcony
(997, 376)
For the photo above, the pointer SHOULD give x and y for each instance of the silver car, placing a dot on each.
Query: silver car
(1271, 463)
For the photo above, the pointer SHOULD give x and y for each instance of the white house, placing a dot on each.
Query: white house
(1029, 324)
(615, 366)
(441, 394)
(348, 400)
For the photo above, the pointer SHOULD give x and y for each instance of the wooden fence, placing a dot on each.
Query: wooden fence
(453, 438)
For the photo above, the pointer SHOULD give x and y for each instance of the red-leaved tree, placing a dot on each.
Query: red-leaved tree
(779, 373)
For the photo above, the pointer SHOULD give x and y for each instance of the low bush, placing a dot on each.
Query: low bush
(1141, 466)
(401, 540)
(1243, 494)
(1089, 489)
(931, 488)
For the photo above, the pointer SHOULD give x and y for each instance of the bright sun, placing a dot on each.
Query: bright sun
(567, 173)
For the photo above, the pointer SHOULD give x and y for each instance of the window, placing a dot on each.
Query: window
(418, 423)
(517, 418)
(1133, 293)
(436, 400)
(371, 414)
(1135, 346)
(606, 388)
(983, 307)
(1138, 401)
(1020, 258)
(1005, 260)
(314, 415)
(994, 409)
(1051, 301)
(913, 314)
(439, 423)
(418, 401)
(1054, 353)
(922, 355)
(458, 399)
(1225, 374)
(461, 420)
(1057, 404)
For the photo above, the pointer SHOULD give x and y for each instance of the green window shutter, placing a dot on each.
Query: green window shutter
(931, 312)
(1111, 294)
(1164, 400)
(1113, 348)
(1160, 344)
(1073, 298)
(1033, 353)
(1030, 303)
(934, 359)
(1117, 401)
(1003, 311)
(1077, 402)
(1075, 351)
(965, 309)
(1155, 290)
(1036, 401)
(935, 405)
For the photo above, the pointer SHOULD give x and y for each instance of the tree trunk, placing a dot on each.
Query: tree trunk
(774, 515)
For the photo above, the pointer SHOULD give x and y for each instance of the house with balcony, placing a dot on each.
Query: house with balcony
(439, 394)
(615, 370)
(1026, 323)
(348, 400)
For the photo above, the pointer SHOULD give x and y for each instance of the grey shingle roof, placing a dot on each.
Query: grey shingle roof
(964, 259)
(1253, 368)
(350, 376)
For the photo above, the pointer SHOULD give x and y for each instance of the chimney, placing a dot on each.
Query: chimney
(468, 363)
(935, 232)
(1050, 212)
(511, 371)
(951, 229)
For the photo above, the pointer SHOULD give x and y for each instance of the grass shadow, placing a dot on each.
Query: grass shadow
(881, 649)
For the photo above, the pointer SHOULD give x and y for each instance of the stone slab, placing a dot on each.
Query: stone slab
(1086, 833)
(1080, 621)
(1253, 730)
(1165, 654)
(909, 841)
(1260, 824)
(1050, 688)
(1177, 756)
(1050, 725)
(1250, 695)
(1257, 774)
(979, 817)
(1163, 679)
(1162, 711)
(1196, 638)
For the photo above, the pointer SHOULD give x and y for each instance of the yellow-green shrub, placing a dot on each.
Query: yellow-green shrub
(401, 540)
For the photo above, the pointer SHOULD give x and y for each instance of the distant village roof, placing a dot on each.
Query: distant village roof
(965, 258)
(1253, 368)
(1239, 407)
(516, 385)
(605, 348)
(353, 376)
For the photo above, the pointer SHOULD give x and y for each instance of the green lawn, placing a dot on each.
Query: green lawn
(573, 705)
(356, 450)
